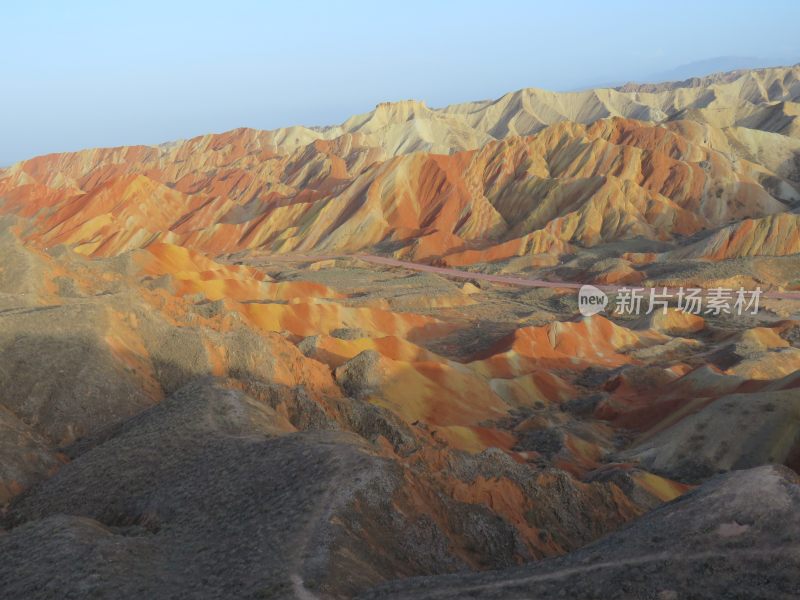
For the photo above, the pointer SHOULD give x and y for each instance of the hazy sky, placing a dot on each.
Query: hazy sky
(80, 74)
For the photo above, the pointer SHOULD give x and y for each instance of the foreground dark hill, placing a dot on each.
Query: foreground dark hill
(736, 536)
(202, 497)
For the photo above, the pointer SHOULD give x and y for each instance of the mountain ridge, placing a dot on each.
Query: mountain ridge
(530, 173)
(301, 132)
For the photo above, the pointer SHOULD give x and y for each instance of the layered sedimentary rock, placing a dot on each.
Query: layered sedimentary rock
(531, 173)
(211, 386)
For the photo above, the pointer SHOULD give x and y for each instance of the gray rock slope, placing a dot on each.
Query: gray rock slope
(736, 536)
(201, 497)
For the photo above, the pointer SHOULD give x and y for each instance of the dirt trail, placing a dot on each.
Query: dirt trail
(613, 564)
(503, 279)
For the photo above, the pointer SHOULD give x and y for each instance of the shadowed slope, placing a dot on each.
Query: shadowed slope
(735, 534)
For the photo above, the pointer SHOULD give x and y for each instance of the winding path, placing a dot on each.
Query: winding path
(502, 279)
(520, 281)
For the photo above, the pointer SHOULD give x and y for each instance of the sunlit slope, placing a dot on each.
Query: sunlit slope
(568, 185)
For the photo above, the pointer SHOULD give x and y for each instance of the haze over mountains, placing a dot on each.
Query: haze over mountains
(716, 64)
(214, 388)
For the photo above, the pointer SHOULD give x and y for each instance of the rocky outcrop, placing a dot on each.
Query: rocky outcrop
(735, 535)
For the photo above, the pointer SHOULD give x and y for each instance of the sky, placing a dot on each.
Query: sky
(85, 74)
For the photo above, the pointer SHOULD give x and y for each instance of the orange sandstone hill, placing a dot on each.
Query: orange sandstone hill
(211, 389)
(470, 183)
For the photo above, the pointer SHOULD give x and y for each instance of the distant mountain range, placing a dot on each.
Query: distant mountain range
(699, 69)
(719, 64)
(531, 172)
